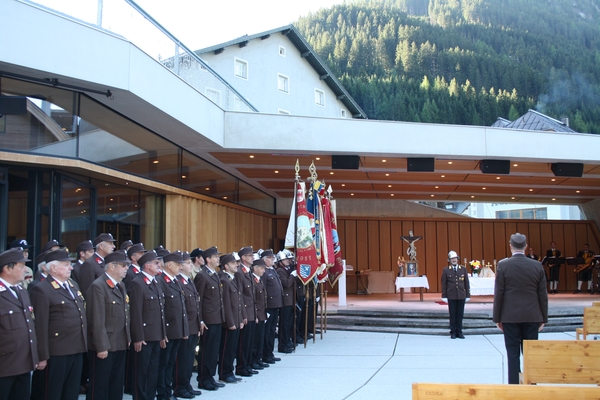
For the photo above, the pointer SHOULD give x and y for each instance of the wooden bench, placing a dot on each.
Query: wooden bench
(591, 323)
(561, 362)
(466, 391)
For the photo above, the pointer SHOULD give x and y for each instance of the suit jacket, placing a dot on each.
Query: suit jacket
(175, 310)
(273, 287)
(232, 301)
(192, 304)
(60, 323)
(91, 269)
(38, 279)
(287, 283)
(18, 340)
(76, 273)
(146, 305)
(455, 284)
(132, 272)
(244, 283)
(260, 298)
(107, 315)
(520, 293)
(210, 293)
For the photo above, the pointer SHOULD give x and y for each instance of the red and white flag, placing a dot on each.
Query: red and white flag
(336, 270)
(306, 257)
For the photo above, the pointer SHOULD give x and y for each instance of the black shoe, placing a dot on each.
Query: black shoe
(263, 364)
(556, 292)
(208, 386)
(276, 359)
(253, 371)
(286, 351)
(268, 360)
(453, 336)
(218, 384)
(258, 366)
(577, 291)
(244, 373)
(229, 379)
(186, 395)
(460, 336)
(195, 392)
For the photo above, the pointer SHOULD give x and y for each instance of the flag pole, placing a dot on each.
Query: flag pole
(306, 309)
(296, 180)
(315, 312)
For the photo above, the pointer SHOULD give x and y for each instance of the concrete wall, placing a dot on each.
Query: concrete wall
(591, 211)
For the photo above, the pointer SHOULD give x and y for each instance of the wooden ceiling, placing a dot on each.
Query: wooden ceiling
(387, 178)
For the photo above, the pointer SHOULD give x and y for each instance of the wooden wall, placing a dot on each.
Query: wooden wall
(193, 222)
(376, 244)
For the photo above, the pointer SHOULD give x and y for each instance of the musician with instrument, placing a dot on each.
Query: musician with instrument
(584, 271)
(552, 260)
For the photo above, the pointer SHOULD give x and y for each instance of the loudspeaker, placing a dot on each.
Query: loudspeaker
(567, 169)
(345, 162)
(13, 105)
(420, 164)
(495, 166)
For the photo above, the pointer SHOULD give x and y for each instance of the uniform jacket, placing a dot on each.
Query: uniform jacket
(91, 269)
(175, 310)
(60, 320)
(232, 301)
(210, 293)
(287, 283)
(260, 298)
(520, 292)
(556, 253)
(455, 284)
(244, 283)
(273, 287)
(107, 315)
(18, 341)
(76, 273)
(146, 306)
(192, 304)
(132, 272)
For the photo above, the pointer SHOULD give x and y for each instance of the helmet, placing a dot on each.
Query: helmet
(236, 256)
(452, 254)
(281, 256)
(288, 254)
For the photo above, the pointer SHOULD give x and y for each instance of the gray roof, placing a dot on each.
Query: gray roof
(307, 53)
(500, 123)
(536, 121)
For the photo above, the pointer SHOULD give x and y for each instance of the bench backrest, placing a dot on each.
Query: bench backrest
(561, 361)
(591, 320)
(466, 391)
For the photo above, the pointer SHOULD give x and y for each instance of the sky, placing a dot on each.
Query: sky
(203, 23)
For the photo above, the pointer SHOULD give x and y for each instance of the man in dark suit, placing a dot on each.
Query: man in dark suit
(182, 374)
(61, 328)
(18, 339)
(586, 273)
(244, 282)
(455, 291)
(83, 251)
(260, 299)
(93, 267)
(520, 302)
(212, 317)
(148, 331)
(274, 304)
(287, 276)
(108, 329)
(552, 254)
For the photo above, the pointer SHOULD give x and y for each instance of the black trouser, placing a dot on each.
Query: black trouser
(106, 375)
(270, 328)
(182, 373)
(514, 334)
(60, 379)
(585, 275)
(145, 375)
(259, 342)
(286, 323)
(229, 341)
(554, 272)
(164, 386)
(15, 387)
(129, 369)
(209, 353)
(244, 349)
(300, 312)
(457, 311)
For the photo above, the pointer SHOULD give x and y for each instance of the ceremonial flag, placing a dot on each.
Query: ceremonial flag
(328, 256)
(290, 243)
(306, 258)
(313, 207)
(338, 267)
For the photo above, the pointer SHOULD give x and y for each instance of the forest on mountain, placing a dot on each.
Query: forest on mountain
(464, 61)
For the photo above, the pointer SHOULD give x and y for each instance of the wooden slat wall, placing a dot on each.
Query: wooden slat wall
(376, 244)
(192, 223)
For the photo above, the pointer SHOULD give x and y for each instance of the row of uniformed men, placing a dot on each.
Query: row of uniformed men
(163, 320)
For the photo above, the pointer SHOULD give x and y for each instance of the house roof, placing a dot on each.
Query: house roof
(308, 53)
(536, 121)
(500, 123)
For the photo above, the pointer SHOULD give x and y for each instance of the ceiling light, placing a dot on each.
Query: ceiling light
(553, 199)
(483, 188)
(515, 165)
(276, 171)
(553, 179)
(251, 156)
(472, 197)
(389, 185)
(155, 162)
(437, 187)
(443, 176)
(383, 160)
(392, 194)
(578, 191)
(512, 198)
(207, 188)
(317, 158)
(225, 197)
(343, 184)
(111, 199)
(450, 162)
(183, 176)
(387, 174)
(497, 177)
(531, 190)
(331, 173)
(351, 194)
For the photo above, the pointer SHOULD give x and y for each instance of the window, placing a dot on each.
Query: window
(284, 112)
(320, 97)
(282, 51)
(528, 213)
(343, 113)
(241, 68)
(283, 83)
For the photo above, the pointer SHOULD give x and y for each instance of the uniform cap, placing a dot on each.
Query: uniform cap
(186, 256)
(245, 250)
(20, 243)
(84, 246)
(57, 255)
(267, 253)
(136, 248)
(118, 256)
(227, 258)
(259, 263)
(103, 237)
(161, 251)
(211, 251)
(13, 255)
(125, 245)
(197, 253)
(147, 257)
(50, 245)
(175, 256)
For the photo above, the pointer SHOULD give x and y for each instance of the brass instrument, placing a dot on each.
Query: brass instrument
(589, 260)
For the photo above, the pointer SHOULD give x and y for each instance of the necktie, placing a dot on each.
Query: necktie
(16, 292)
(68, 290)
(455, 269)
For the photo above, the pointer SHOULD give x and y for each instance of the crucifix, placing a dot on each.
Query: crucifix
(411, 239)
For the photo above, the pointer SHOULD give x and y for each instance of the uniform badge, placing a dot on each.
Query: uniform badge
(110, 283)
(79, 294)
(55, 285)
(167, 279)
(98, 260)
(127, 298)
(148, 281)
(31, 312)
(184, 281)
(2, 288)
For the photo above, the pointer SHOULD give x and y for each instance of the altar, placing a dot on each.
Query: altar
(482, 286)
(411, 282)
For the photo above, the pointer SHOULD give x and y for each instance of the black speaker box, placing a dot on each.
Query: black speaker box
(345, 162)
(420, 164)
(13, 105)
(567, 169)
(495, 166)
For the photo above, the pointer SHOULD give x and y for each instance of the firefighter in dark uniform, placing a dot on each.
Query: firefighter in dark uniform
(212, 317)
(244, 281)
(93, 267)
(455, 291)
(274, 305)
(176, 322)
(260, 299)
(83, 251)
(61, 328)
(286, 320)
(108, 329)
(182, 373)
(148, 332)
(17, 330)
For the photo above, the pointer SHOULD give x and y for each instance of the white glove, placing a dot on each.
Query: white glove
(318, 299)
(445, 299)
(467, 299)
(268, 315)
(294, 273)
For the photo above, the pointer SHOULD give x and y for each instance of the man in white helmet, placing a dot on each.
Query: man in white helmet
(455, 292)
